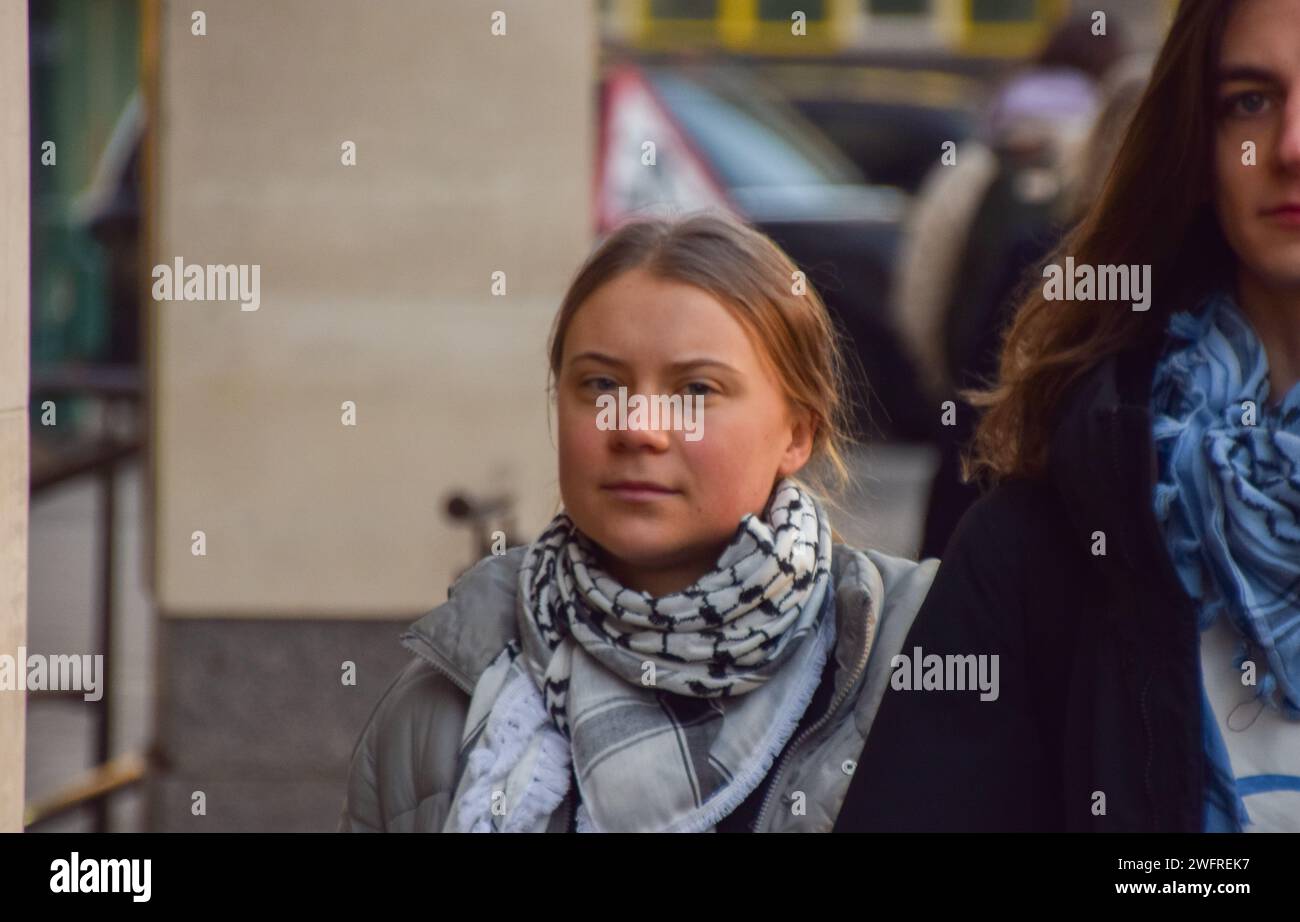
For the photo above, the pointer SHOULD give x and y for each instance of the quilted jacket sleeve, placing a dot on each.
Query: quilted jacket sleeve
(403, 765)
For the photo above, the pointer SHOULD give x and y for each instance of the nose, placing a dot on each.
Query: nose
(1288, 146)
(642, 437)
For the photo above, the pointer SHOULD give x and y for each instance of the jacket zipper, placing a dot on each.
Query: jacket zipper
(568, 818)
(422, 648)
(839, 699)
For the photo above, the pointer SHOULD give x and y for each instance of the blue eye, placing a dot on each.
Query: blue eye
(599, 380)
(707, 388)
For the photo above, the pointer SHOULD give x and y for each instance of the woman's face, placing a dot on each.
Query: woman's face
(1258, 101)
(658, 337)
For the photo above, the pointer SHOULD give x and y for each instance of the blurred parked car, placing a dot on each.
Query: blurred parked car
(890, 121)
(679, 137)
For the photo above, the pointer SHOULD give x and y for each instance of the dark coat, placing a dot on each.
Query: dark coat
(1099, 655)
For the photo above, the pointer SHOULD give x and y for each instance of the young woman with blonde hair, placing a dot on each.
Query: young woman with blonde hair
(685, 647)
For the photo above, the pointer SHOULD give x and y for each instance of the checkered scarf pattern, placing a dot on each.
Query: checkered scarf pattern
(666, 711)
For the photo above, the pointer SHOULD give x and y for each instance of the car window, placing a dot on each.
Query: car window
(743, 143)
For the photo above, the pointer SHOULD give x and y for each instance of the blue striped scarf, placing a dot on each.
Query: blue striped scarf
(1228, 501)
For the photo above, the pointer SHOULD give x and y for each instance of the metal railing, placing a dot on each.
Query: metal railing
(100, 457)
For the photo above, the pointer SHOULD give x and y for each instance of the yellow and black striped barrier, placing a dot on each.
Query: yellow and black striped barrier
(982, 28)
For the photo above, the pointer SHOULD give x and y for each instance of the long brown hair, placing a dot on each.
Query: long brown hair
(1154, 209)
(751, 276)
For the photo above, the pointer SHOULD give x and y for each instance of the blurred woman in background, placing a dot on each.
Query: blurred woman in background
(1136, 567)
(982, 221)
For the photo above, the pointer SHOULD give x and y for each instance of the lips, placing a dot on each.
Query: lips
(638, 485)
(638, 490)
(1288, 214)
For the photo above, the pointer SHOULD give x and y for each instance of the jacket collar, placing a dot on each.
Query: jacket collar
(463, 635)
(1102, 463)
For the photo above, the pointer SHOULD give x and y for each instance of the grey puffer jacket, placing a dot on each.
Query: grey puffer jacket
(403, 769)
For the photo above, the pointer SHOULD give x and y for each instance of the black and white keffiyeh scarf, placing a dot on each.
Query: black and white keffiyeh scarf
(668, 711)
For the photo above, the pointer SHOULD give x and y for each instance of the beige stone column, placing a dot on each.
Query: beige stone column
(413, 182)
(15, 164)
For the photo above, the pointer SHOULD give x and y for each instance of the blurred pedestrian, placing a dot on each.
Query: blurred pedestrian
(1009, 219)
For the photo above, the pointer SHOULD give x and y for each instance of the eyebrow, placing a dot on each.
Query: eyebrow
(683, 365)
(1247, 72)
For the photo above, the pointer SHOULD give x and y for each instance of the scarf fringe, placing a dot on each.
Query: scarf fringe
(510, 729)
(783, 727)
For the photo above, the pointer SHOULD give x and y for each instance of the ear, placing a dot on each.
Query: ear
(799, 449)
